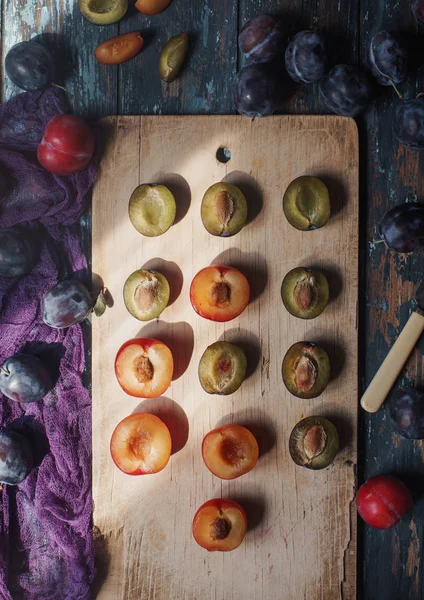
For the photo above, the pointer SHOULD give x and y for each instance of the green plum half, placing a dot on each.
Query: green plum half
(222, 368)
(314, 443)
(224, 209)
(146, 294)
(152, 209)
(306, 203)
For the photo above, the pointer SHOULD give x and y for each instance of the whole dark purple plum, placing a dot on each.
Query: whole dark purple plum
(402, 227)
(257, 91)
(408, 122)
(29, 66)
(25, 378)
(346, 90)
(418, 10)
(66, 304)
(407, 413)
(261, 38)
(19, 252)
(16, 458)
(305, 57)
(388, 58)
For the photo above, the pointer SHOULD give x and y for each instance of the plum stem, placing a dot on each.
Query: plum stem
(377, 241)
(396, 90)
(5, 371)
(59, 86)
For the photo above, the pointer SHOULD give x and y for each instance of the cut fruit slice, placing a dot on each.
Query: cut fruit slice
(222, 368)
(230, 451)
(141, 444)
(144, 367)
(152, 209)
(223, 210)
(219, 525)
(152, 7)
(146, 294)
(103, 12)
(219, 293)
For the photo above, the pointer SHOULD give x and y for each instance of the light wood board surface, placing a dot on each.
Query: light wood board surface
(302, 537)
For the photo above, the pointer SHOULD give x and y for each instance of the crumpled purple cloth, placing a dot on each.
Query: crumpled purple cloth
(46, 543)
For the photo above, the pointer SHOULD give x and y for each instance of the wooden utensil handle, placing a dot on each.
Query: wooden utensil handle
(387, 374)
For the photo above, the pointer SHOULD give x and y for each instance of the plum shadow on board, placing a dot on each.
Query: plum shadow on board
(171, 271)
(336, 353)
(344, 428)
(249, 343)
(251, 191)
(179, 337)
(172, 415)
(251, 264)
(179, 188)
(337, 192)
(254, 507)
(258, 423)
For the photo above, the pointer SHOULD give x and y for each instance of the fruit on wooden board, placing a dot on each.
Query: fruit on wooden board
(388, 58)
(141, 444)
(305, 292)
(66, 303)
(314, 443)
(305, 57)
(119, 49)
(346, 90)
(408, 122)
(29, 66)
(257, 90)
(219, 293)
(306, 203)
(25, 378)
(173, 57)
(219, 525)
(406, 409)
(144, 367)
(222, 368)
(16, 458)
(67, 145)
(261, 39)
(103, 12)
(383, 501)
(402, 227)
(418, 10)
(306, 370)
(146, 294)
(223, 209)
(152, 209)
(152, 7)
(230, 451)
(19, 252)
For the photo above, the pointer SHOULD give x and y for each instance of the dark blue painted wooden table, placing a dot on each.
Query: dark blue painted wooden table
(390, 563)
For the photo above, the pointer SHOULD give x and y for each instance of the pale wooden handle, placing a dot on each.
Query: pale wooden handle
(387, 374)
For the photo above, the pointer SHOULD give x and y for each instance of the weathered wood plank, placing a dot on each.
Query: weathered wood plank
(205, 83)
(392, 560)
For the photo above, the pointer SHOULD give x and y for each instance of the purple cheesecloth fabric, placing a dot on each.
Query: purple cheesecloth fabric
(46, 544)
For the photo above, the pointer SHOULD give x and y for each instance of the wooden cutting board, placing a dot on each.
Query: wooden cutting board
(301, 541)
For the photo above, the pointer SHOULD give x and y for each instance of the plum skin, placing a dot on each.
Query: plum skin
(66, 304)
(256, 91)
(25, 378)
(29, 66)
(406, 410)
(305, 57)
(19, 252)
(402, 227)
(388, 58)
(408, 122)
(261, 38)
(16, 458)
(346, 90)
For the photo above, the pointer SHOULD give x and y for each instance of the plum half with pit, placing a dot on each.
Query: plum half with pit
(19, 252)
(219, 525)
(402, 227)
(219, 293)
(144, 367)
(146, 294)
(25, 378)
(305, 292)
(306, 370)
(103, 12)
(230, 451)
(223, 209)
(306, 203)
(306, 57)
(261, 39)
(16, 458)
(29, 66)
(66, 304)
(406, 411)
(222, 368)
(173, 57)
(152, 209)
(314, 443)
